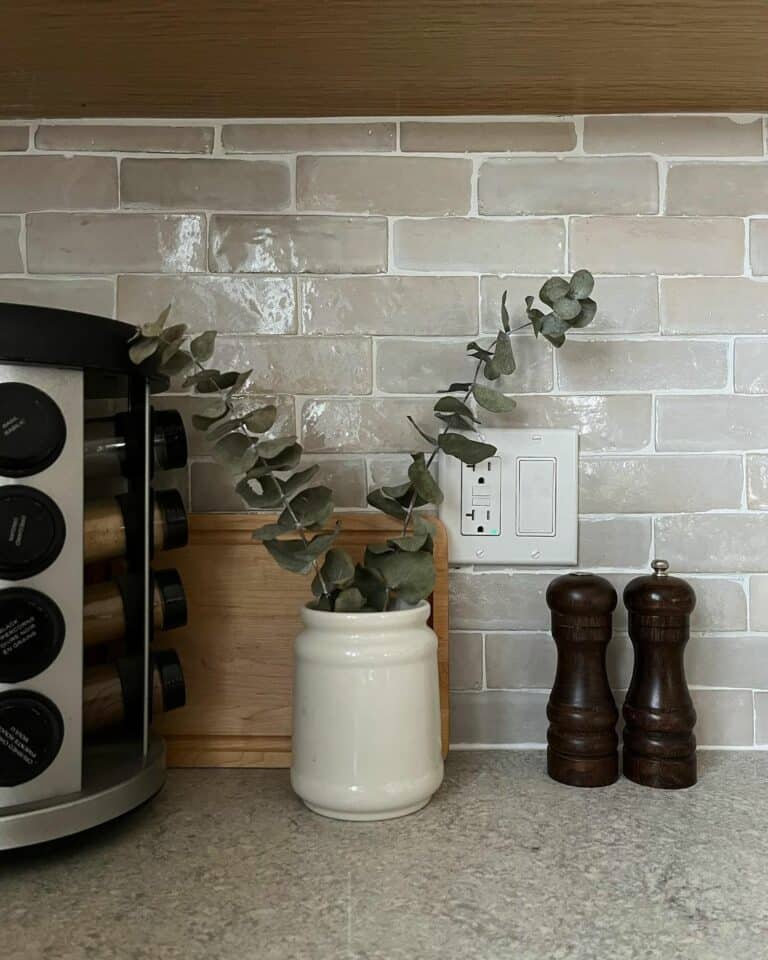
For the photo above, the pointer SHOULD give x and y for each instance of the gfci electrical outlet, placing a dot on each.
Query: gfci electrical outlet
(518, 507)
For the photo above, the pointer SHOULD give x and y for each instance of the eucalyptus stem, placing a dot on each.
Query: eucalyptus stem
(298, 526)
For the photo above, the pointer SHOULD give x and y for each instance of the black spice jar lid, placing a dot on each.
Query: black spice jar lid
(32, 430)
(170, 440)
(31, 733)
(171, 506)
(174, 600)
(32, 532)
(168, 665)
(31, 633)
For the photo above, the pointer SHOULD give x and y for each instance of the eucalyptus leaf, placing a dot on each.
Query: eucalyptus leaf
(378, 548)
(291, 555)
(457, 388)
(411, 575)
(261, 420)
(398, 491)
(424, 483)
(177, 364)
(379, 500)
(556, 339)
(464, 449)
(581, 285)
(491, 371)
(314, 505)
(287, 459)
(504, 312)
(293, 484)
(566, 308)
(270, 495)
(410, 543)
(155, 327)
(552, 325)
(372, 586)
(553, 289)
(430, 439)
(271, 531)
(222, 428)
(338, 567)
(454, 405)
(587, 315)
(201, 376)
(322, 543)
(236, 452)
(349, 600)
(271, 448)
(492, 400)
(142, 349)
(238, 382)
(174, 333)
(503, 357)
(202, 347)
(454, 422)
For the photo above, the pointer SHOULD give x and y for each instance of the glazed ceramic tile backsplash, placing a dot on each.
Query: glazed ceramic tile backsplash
(348, 262)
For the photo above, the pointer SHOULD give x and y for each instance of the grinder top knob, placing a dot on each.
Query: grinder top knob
(581, 595)
(659, 593)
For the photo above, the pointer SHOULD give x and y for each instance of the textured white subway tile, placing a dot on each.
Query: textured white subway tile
(466, 669)
(456, 243)
(497, 716)
(574, 185)
(758, 604)
(519, 661)
(57, 183)
(724, 717)
(657, 245)
(750, 366)
(213, 489)
(313, 365)
(499, 600)
(389, 306)
(306, 244)
(605, 423)
(306, 137)
(761, 718)
(681, 136)
(415, 186)
(10, 245)
(94, 295)
(624, 304)
(124, 137)
(757, 481)
(614, 541)
(115, 243)
(190, 404)
(428, 366)
(714, 542)
(659, 484)
(390, 470)
(13, 137)
(229, 304)
(725, 661)
(173, 184)
(365, 425)
(637, 364)
(714, 305)
(758, 245)
(487, 136)
(712, 423)
(719, 189)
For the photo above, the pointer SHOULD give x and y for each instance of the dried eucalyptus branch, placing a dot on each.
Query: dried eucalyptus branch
(401, 570)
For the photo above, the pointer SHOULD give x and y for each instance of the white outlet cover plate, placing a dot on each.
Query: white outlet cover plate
(532, 486)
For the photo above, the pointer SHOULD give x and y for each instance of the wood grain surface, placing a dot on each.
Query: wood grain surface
(269, 58)
(236, 650)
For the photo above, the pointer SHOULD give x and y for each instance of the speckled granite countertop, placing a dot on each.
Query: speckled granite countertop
(228, 865)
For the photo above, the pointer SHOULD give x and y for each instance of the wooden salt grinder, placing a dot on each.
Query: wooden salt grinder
(582, 745)
(659, 745)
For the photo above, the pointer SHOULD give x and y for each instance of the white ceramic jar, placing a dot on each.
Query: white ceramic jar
(366, 713)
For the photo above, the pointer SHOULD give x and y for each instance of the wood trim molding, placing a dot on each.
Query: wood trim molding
(269, 58)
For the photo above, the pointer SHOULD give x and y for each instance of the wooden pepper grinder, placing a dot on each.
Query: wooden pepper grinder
(659, 745)
(582, 745)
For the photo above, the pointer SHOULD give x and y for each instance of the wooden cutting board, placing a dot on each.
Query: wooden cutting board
(236, 649)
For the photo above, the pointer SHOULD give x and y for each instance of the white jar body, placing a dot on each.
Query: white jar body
(366, 713)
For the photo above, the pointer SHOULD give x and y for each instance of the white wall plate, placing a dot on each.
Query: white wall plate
(518, 507)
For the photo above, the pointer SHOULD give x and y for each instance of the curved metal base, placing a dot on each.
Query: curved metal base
(115, 780)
